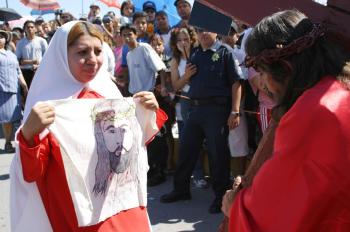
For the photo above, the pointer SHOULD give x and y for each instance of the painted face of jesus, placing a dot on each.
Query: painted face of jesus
(113, 136)
(117, 137)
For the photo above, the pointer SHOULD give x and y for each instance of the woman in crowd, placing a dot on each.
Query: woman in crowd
(182, 40)
(73, 63)
(304, 183)
(127, 10)
(11, 79)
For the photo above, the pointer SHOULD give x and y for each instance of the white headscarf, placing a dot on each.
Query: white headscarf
(53, 80)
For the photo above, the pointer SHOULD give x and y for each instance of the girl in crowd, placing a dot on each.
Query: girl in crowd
(127, 10)
(73, 63)
(182, 40)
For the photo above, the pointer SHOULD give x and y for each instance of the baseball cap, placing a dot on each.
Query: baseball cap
(149, 5)
(175, 3)
(106, 19)
(94, 6)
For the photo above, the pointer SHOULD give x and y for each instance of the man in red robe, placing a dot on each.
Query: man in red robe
(305, 185)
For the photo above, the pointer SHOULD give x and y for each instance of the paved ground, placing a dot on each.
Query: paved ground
(175, 217)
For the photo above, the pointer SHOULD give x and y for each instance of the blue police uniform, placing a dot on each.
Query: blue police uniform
(210, 93)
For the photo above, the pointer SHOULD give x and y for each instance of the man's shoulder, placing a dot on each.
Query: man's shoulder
(144, 45)
(22, 41)
(225, 47)
(40, 39)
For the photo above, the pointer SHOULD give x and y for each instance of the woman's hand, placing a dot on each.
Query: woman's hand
(190, 70)
(227, 201)
(40, 117)
(229, 196)
(148, 100)
(233, 121)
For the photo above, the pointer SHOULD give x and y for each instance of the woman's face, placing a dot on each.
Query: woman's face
(85, 58)
(128, 10)
(272, 88)
(118, 39)
(183, 41)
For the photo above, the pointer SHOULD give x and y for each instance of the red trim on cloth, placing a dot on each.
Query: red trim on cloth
(161, 118)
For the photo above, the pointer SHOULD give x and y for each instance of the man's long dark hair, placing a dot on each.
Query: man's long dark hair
(301, 70)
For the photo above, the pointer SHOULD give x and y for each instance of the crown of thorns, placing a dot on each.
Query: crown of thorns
(269, 56)
(107, 112)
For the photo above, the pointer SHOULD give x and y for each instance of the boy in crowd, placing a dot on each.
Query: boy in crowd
(139, 20)
(149, 7)
(143, 62)
(163, 29)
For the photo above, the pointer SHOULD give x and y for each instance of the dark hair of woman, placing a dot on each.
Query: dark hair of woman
(173, 40)
(125, 4)
(296, 52)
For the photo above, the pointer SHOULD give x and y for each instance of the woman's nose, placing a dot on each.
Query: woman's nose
(92, 58)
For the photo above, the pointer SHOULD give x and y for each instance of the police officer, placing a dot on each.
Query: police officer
(215, 92)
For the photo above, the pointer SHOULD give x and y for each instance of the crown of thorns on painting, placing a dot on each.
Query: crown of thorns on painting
(114, 138)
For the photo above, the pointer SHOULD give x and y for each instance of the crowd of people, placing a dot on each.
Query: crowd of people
(226, 94)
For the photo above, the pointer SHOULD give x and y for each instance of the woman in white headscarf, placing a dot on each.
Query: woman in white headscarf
(69, 69)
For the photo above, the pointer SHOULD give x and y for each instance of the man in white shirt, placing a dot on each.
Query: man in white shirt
(143, 63)
(30, 50)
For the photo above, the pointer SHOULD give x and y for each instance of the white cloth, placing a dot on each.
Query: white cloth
(105, 158)
(143, 63)
(238, 139)
(53, 80)
(182, 68)
(109, 59)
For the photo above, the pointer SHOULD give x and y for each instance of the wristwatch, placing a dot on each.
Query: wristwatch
(236, 113)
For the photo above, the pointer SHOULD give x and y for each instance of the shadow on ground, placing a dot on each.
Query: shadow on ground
(4, 177)
(182, 216)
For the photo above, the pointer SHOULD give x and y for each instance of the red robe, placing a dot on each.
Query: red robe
(43, 164)
(305, 186)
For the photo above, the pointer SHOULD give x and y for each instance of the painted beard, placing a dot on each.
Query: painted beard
(114, 159)
(118, 163)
